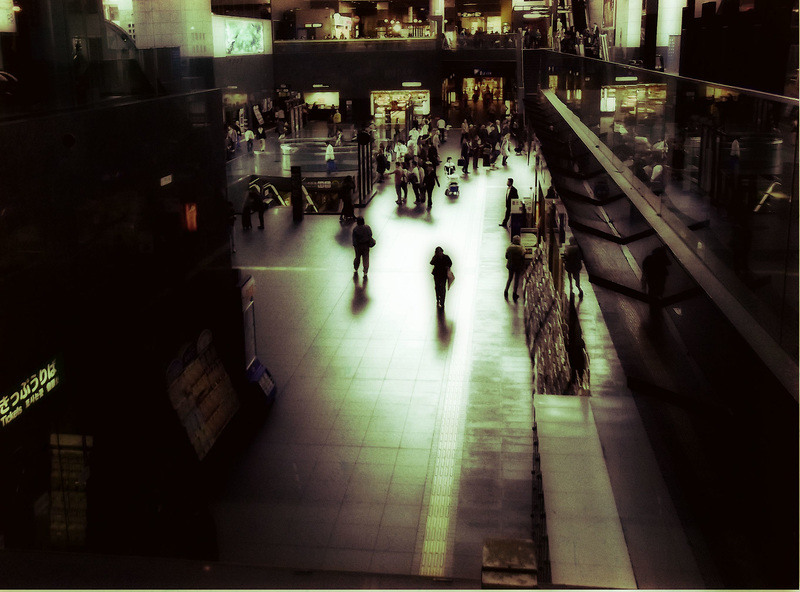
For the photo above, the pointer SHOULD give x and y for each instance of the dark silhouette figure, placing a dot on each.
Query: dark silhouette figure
(441, 270)
(256, 204)
(430, 181)
(511, 193)
(515, 264)
(346, 197)
(654, 274)
(362, 243)
(573, 263)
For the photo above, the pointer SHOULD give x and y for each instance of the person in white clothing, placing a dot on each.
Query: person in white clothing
(400, 151)
(330, 158)
(249, 136)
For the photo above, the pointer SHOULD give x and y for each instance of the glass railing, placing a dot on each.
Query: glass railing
(720, 163)
(456, 41)
(383, 44)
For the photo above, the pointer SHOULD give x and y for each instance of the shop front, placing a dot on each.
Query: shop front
(481, 95)
(393, 109)
(322, 104)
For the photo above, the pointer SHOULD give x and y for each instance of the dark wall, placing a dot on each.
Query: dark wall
(249, 74)
(98, 268)
(355, 74)
(748, 49)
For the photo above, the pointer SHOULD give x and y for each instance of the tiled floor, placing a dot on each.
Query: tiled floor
(401, 438)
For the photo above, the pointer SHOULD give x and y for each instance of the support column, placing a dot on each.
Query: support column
(364, 184)
(298, 199)
(650, 34)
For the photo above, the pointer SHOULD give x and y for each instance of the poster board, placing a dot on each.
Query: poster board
(529, 238)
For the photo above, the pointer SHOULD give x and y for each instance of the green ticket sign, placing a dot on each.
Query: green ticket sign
(28, 391)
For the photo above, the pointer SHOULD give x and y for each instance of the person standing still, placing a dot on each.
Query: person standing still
(573, 264)
(362, 243)
(337, 121)
(515, 264)
(441, 269)
(400, 183)
(511, 193)
(465, 156)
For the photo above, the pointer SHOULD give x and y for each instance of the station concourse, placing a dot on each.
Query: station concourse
(377, 392)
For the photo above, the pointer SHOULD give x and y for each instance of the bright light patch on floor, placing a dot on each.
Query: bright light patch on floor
(448, 449)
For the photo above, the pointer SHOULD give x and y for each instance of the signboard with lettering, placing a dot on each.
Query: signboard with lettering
(28, 391)
(259, 117)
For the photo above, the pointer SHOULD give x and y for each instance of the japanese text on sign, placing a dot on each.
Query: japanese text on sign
(27, 392)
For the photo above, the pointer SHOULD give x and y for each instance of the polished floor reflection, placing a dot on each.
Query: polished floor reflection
(401, 437)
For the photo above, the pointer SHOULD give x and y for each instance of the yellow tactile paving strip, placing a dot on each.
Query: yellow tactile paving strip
(439, 525)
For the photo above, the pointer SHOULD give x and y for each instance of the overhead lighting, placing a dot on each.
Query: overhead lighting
(319, 86)
(626, 79)
(412, 84)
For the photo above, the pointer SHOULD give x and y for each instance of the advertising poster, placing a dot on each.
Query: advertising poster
(528, 239)
(8, 23)
(609, 6)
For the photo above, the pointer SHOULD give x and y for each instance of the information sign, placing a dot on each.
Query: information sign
(28, 391)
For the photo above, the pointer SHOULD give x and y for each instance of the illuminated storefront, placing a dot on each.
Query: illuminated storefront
(484, 89)
(389, 106)
(321, 104)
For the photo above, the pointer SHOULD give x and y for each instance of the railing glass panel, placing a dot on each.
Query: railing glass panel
(719, 160)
